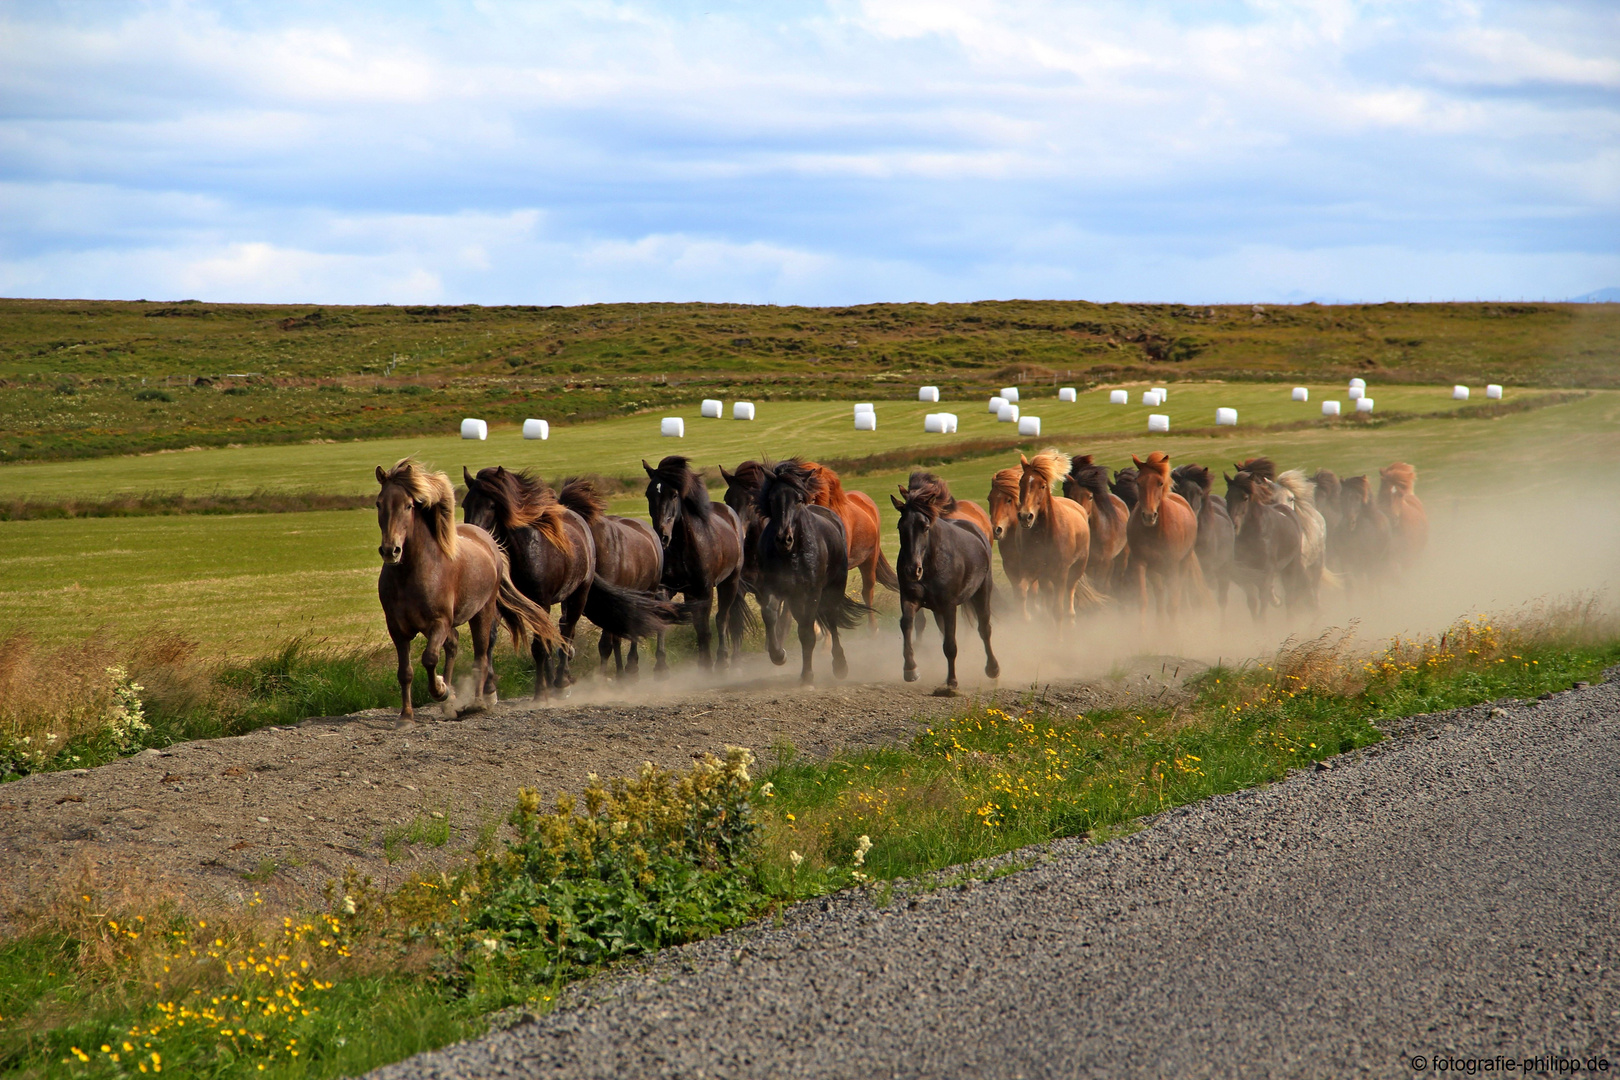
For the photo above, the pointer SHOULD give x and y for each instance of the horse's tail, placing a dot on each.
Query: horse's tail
(885, 573)
(1195, 586)
(843, 612)
(1087, 596)
(1331, 580)
(521, 615)
(630, 613)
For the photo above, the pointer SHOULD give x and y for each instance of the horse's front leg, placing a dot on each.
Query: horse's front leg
(702, 604)
(908, 615)
(807, 642)
(868, 588)
(770, 612)
(483, 666)
(402, 647)
(981, 607)
(439, 688)
(947, 629)
(1142, 591)
(570, 611)
(542, 668)
(608, 645)
(728, 621)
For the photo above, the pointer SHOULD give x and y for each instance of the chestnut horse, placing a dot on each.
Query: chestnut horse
(944, 563)
(1163, 532)
(1009, 537)
(1408, 522)
(436, 576)
(1057, 534)
(1087, 484)
(861, 532)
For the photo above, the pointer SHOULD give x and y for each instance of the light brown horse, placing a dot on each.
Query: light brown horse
(1408, 521)
(1162, 532)
(861, 532)
(436, 576)
(1057, 534)
(1087, 484)
(1009, 537)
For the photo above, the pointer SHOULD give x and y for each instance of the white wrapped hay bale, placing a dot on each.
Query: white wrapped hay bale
(1158, 422)
(713, 408)
(1067, 394)
(1493, 392)
(1357, 393)
(934, 423)
(1029, 425)
(536, 429)
(950, 422)
(928, 393)
(1151, 398)
(866, 421)
(1010, 393)
(1008, 414)
(742, 410)
(996, 403)
(474, 429)
(1118, 397)
(1226, 418)
(1459, 393)
(1301, 393)
(1358, 384)
(864, 406)
(1364, 404)
(672, 427)
(1164, 394)
(1330, 408)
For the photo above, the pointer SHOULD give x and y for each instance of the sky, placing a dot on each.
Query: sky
(809, 153)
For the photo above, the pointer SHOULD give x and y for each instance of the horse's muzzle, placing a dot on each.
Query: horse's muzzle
(1150, 519)
(997, 531)
(391, 552)
(1026, 520)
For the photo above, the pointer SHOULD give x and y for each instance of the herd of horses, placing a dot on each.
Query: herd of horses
(789, 534)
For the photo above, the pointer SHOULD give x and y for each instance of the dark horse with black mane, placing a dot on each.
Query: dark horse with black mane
(553, 558)
(1216, 533)
(1267, 546)
(703, 553)
(804, 561)
(944, 563)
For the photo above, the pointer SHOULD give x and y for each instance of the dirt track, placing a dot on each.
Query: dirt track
(294, 806)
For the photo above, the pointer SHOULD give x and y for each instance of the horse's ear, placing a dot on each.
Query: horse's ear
(467, 476)
(898, 505)
(1136, 460)
(1022, 460)
(649, 468)
(382, 477)
(1228, 479)
(500, 470)
(728, 477)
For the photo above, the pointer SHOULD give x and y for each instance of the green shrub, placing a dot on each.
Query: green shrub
(152, 394)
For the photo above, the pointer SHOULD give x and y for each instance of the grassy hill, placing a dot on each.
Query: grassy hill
(89, 378)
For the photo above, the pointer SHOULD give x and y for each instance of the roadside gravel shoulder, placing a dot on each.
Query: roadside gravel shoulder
(1451, 890)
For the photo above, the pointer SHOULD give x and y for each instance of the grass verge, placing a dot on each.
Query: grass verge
(641, 863)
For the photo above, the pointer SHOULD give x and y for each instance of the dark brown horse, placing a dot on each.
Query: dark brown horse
(1124, 486)
(1329, 491)
(944, 563)
(1363, 534)
(1268, 546)
(703, 553)
(436, 576)
(804, 561)
(1163, 533)
(1408, 521)
(1216, 534)
(861, 532)
(925, 485)
(1087, 484)
(1009, 537)
(1057, 534)
(628, 557)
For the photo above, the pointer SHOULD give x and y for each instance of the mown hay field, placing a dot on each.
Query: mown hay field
(249, 582)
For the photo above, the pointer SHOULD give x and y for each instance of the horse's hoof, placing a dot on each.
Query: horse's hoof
(911, 674)
(840, 668)
(779, 658)
(439, 690)
(946, 691)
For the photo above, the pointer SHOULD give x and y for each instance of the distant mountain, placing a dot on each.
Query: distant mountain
(1610, 295)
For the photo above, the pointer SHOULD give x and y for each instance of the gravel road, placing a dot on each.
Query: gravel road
(1450, 892)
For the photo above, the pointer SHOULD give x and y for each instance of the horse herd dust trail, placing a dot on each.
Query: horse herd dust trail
(282, 811)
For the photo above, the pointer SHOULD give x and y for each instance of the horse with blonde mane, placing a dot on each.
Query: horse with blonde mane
(436, 576)
(1057, 534)
(1162, 531)
(1408, 521)
(1009, 537)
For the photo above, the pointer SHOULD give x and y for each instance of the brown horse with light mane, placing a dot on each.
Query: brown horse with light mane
(436, 576)
(1162, 532)
(861, 531)
(1009, 537)
(1408, 521)
(1057, 534)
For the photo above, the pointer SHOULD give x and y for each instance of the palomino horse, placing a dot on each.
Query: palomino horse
(436, 576)
(861, 532)
(1408, 522)
(703, 553)
(1010, 538)
(1268, 542)
(1216, 533)
(1087, 484)
(1057, 534)
(629, 557)
(1163, 532)
(1312, 533)
(804, 560)
(944, 563)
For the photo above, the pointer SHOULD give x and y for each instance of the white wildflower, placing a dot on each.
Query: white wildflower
(348, 905)
(490, 945)
(795, 858)
(862, 846)
(768, 789)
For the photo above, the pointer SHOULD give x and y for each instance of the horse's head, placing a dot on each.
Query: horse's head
(663, 503)
(1355, 494)
(1034, 492)
(917, 518)
(1191, 482)
(396, 513)
(477, 508)
(1152, 485)
(782, 499)
(1239, 494)
(1004, 501)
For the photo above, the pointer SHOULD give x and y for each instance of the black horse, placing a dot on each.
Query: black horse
(742, 493)
(1124, 487)
(1216, 533)
(703, 553)
(944, 563)
(1267, 545)
(804, 561)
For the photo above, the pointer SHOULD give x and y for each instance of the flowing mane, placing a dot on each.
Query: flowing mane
(926, 486)
(1399, 477)
(750, 476)
(828, 489)
(1158, 462)
(1251, 486)
(1296, 484)
(1050, 464)
(676, 471)
(523, 500)
(580, 495)
(432, 492)
(1005, 484)
(1263, 467)
(1197, 476)
(802, 477)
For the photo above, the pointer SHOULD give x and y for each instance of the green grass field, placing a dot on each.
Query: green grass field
(249, 582)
